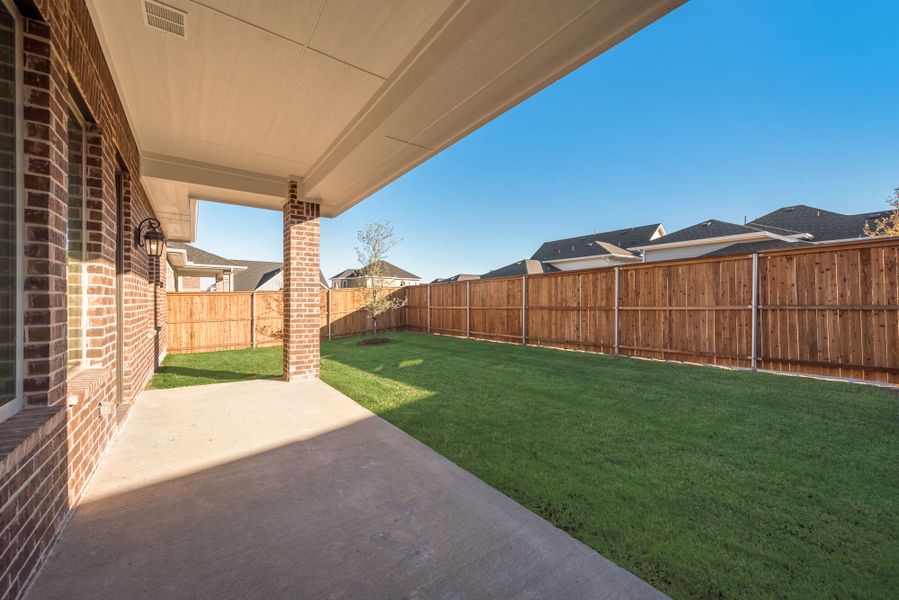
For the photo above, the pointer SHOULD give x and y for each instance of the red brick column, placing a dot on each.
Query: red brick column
(301, 287)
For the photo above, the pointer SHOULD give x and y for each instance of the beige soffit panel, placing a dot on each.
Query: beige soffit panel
(499, 54)
(347, 94)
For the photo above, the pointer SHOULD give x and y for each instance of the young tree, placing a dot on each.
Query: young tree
(375, 241)
(889, 225)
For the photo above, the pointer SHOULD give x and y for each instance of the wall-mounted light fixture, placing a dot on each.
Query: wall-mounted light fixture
(151, 240)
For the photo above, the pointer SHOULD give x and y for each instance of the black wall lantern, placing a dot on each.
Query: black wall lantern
(151, 240)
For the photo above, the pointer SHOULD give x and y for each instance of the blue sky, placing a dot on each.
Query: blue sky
(723, 109)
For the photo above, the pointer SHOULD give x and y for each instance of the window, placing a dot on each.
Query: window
(10, 210)
(75, 243)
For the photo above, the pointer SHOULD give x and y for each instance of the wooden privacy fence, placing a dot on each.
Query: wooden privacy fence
(829, 310)
(212, 321)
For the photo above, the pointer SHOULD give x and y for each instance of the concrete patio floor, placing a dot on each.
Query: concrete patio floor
(269, 490)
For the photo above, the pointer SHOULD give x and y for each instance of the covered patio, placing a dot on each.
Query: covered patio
(261, 490)
(120, 117)
(321, 104)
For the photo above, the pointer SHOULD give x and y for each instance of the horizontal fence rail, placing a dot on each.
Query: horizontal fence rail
(213, 321)
(824, 310)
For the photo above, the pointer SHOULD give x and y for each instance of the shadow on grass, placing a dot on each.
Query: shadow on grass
(213, 375)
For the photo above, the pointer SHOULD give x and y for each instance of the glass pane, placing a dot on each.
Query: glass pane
(7, 206)
(75, 242)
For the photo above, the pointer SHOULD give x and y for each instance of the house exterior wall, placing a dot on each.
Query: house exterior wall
(188, 284)
(272, 285)
(50, 448)
(170, 279)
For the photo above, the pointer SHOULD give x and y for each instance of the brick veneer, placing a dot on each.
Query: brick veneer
(32, 491)
(50, 449)
(302, 289)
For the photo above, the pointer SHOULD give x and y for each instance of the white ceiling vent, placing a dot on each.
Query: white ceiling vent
(164, 17)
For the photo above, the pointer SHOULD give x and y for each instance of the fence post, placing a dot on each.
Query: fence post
(329, 313)
(253, 319)
(755, 310)
(468, 309)
(524, 309)
(617, 308)
(429, 308)
(580, 313)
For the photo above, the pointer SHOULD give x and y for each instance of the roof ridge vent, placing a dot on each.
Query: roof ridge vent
(165, 18)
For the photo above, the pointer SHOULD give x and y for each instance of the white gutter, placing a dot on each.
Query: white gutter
(592, 256)
(740, 237)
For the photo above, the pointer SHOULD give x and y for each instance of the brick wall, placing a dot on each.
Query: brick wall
(302, 297)
(189, 284)
(32, 492)
(50, 449)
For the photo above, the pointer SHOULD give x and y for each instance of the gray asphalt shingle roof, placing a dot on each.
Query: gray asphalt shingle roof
(596, 244)
(711, 228)
(390, 270)
(824, 225)
(256, 274)
(522, 267)
(199, 257)
(457, 277)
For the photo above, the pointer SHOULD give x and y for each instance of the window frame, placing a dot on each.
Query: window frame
(8, 409)
(84, 362)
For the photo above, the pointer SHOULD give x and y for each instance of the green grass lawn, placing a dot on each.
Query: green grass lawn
(704, 482)
(179, 370)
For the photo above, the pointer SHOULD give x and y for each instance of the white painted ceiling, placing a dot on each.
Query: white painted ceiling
(345, 94)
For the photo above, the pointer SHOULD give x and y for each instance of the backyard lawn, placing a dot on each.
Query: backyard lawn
(704, 482)
(179, 370)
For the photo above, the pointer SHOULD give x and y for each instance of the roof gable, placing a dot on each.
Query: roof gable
(390, 270)
(255, 274)
(199, 257)
(522, 267)
(711, 228)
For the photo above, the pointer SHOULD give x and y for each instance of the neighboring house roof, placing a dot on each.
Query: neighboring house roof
(751, 247)
(457, 277)
(390, 270)
(597, 244)
(199, 257)
(522, 267)
(823, 225)
(256, 274)
(707, 229)
(259, 272)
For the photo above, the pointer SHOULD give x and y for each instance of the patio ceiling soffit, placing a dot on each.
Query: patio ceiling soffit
(344, 95)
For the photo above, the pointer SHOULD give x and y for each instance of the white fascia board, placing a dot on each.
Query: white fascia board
(190, 265)
(625, 257)
(736, 239)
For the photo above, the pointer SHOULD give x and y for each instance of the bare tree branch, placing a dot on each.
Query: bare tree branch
(888, 225)
(375, 241)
